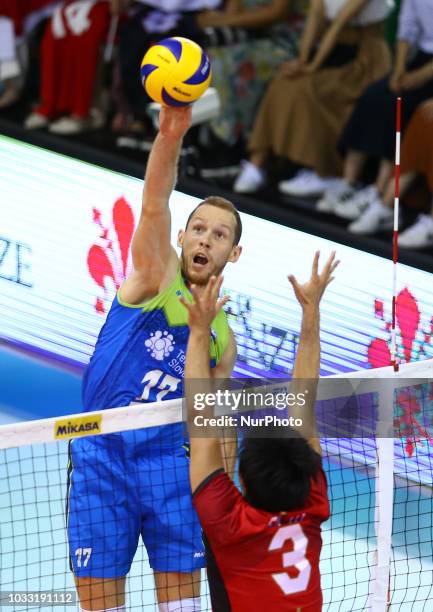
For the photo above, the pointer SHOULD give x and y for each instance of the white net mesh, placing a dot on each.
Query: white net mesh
(367, 502)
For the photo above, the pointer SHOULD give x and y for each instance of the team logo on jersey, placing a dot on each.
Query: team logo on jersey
(160, 345)
(77, 426)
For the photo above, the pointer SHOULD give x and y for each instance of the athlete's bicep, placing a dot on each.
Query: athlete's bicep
(145, 283)
(206, 452)
(228, 442)
(151, 247)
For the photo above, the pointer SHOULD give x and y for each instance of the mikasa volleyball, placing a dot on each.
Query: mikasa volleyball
(175, 71)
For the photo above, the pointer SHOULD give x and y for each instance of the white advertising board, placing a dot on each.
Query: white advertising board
(65, 232)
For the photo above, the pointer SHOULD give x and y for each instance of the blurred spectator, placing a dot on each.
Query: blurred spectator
(259, 36)
(70, 57)
(392, 24)
(17, 19)
(416, 160)
(370, 132)
(309, 101)
(149, 21)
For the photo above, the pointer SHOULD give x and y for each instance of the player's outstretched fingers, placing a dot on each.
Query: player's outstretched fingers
(335, 264)
(213, 288)
(329, 269)
(315, 268)
(217, 281)
(185, 303)
(311, 292)
(299, 294)
(209, 291)
(221, 302)
(195, 294)
(205, 305)
(207, 300)
(331, 278)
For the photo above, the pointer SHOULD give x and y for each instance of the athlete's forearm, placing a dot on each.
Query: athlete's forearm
(206, 446)
(198, 379)
(161, 169)
(197, 355)
(151, 240)
(161, 173)
(306, 372)
(307, 363)
(151, 249)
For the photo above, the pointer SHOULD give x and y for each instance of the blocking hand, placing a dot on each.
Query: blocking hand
(174, 121)
(310, 293)
(205, 307)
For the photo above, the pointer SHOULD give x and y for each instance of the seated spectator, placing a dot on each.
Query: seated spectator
(416, 160)
(309, 101)
(10, 68)
(17, 19)
(70, 56)
(370, 131)
(252, 39)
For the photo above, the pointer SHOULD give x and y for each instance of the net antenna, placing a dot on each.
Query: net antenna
(394, 356)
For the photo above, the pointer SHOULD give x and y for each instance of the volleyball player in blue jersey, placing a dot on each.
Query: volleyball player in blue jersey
(136, 483)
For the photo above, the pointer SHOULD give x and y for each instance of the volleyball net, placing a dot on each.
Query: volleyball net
(376, 432)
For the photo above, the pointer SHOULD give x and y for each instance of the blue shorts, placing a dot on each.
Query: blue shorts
(120, 488)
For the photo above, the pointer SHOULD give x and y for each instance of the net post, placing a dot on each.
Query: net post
(380, 587)
(394, 357)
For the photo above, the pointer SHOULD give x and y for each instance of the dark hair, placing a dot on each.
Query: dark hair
(225, 205)
(276, 471)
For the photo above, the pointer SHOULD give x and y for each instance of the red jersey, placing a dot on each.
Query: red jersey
(267, 561)
(70, 53)
(19, 10)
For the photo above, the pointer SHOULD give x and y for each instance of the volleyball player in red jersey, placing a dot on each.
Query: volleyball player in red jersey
(266, 542)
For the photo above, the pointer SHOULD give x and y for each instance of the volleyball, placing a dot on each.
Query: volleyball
(175, 71)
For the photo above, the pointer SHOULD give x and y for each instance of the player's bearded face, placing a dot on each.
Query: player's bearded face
(207, 244)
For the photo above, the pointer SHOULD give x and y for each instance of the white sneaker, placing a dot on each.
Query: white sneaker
(307, 183)
(340, 192)
(357, 204)
(74, 125)
(250, 178)
(419, 235)
(35, 121)
(375, 217)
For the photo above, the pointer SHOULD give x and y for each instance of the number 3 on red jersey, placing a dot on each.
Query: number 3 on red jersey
(295, 558)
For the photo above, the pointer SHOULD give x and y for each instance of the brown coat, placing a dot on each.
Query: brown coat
(301, 119)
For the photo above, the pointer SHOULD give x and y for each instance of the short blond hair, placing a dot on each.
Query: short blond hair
(224, 204)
